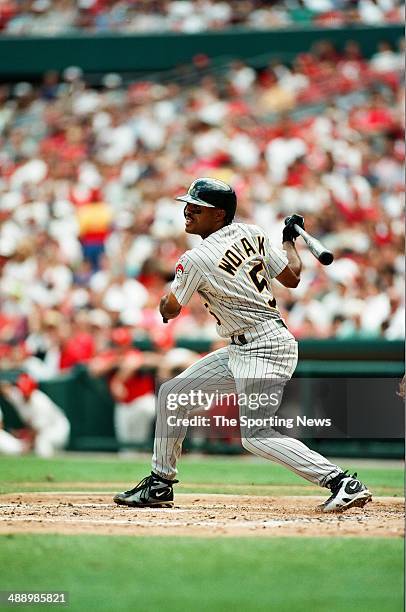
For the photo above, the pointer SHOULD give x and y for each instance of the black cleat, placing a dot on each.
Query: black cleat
(347, 492)
(152, 492)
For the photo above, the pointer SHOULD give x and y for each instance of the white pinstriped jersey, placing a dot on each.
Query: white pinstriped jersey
(232, 271)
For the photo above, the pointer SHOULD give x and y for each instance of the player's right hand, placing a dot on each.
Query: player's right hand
(289, 233)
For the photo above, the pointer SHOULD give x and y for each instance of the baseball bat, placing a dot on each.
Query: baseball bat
(320, 252)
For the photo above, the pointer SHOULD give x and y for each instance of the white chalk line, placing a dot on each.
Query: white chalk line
(22, 505)
(39, 508)
(64, 492)
(95, 506)
(138, 523)
(152, 521)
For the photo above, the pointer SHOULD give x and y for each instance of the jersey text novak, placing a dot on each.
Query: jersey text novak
(239, 252)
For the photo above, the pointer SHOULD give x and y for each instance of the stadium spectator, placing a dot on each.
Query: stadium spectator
(131, 386)
(94, 220)
(69, 16)
(51, 428)
(342, 168)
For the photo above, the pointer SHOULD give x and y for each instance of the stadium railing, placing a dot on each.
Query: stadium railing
(29, 57)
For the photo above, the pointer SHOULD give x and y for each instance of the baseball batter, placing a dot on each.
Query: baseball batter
(232, 270)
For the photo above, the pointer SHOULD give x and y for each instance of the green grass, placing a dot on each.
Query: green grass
(211, 474)
(292, 574)
(217, 574)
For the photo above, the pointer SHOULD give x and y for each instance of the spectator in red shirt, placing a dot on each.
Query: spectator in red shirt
(79, 346)
(131, 388)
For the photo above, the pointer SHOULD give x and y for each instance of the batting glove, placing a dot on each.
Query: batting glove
(289, 233)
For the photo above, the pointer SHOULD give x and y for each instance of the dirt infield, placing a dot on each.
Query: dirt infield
(198, 515)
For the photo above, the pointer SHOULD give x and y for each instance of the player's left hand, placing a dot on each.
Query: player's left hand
(289, 233)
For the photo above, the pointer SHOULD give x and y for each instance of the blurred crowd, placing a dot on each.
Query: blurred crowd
(90, 232)
(51, 17)
(46, 429)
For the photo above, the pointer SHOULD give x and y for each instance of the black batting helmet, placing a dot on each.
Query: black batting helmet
(212, 193)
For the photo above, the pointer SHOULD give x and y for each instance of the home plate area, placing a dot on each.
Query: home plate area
(195, 514)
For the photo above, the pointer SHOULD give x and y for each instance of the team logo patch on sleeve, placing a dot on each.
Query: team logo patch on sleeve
(179, 270)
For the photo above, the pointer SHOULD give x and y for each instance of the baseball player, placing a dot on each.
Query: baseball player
(231, 270)
(9, 444)
(36, 409)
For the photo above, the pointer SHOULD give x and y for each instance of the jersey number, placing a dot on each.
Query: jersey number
(259, 281)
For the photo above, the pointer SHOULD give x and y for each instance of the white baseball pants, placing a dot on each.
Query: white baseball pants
(270, 354)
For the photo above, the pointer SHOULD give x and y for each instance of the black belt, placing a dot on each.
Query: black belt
(243, 340)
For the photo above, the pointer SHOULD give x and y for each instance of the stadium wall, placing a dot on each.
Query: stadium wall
(29, 57)
(90, 408)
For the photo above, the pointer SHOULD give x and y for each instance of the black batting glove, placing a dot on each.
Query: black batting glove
(289, 233)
